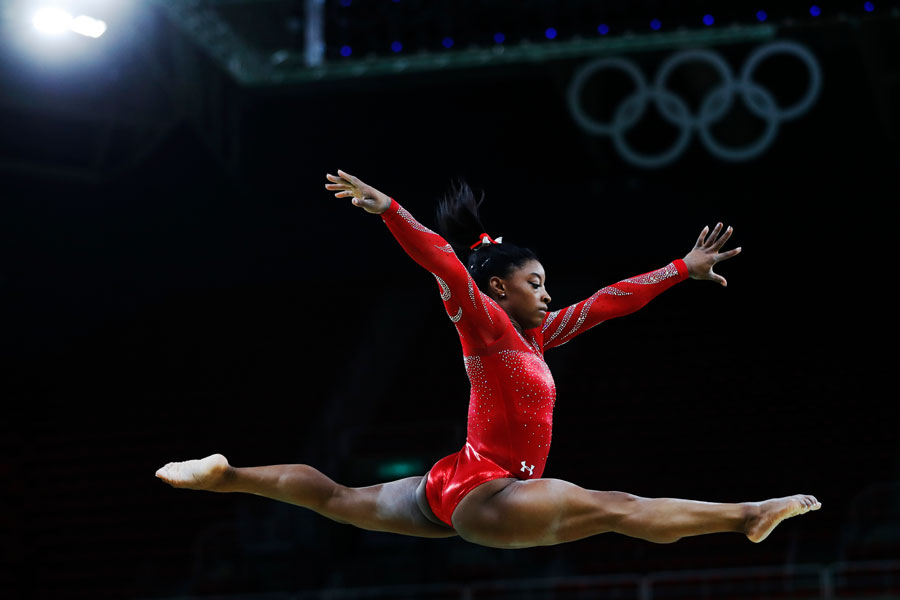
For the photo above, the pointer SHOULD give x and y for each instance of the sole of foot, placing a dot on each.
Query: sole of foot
(203, 474)
(774, 511)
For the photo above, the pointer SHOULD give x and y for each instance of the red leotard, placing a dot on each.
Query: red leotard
(512, 397)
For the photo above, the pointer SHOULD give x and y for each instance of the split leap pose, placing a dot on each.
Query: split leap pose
(491, 491)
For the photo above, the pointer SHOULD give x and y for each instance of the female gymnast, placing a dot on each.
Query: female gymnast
(491, 491)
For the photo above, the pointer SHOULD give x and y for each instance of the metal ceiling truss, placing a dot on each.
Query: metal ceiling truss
(252, 66)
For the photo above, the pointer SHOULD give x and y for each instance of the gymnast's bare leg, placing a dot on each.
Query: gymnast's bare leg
(387, 507)
(509, 513)
(504, 513)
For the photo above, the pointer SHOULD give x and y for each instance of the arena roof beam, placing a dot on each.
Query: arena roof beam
(523, 53)
(253, 66)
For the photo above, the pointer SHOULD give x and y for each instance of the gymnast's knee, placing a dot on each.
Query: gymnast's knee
(612, 508)
(624, 513)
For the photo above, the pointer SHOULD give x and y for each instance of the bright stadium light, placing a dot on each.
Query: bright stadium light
(88, 26)
(54, 21)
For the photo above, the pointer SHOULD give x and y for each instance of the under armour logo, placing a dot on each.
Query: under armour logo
(527, 468)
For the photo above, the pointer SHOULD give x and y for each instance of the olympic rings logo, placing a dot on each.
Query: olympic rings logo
(714, 106)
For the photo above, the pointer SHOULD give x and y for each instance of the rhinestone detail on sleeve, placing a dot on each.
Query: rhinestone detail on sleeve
(582, 315)
(562, 326)
(406, 216)
(445, 289)
(484, 303)
(656, 276)
(614, 291)
(550, 318)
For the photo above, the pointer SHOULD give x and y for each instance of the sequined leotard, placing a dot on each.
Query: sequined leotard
(512, 394)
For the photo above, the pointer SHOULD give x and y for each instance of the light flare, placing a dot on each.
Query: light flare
(52, 20)
(56, 21)
(88, 26)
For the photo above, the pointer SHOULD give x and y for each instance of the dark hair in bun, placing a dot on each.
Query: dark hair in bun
(459, 222)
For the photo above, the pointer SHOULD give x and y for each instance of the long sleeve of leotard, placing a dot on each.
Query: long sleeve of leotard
(615, 300)
(478, 319)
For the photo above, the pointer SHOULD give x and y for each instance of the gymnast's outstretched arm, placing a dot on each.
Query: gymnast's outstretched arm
(477, 318)
(629, 295)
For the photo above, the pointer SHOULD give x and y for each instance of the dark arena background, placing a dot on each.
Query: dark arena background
(176, 281)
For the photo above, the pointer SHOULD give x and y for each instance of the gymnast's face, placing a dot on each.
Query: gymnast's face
(523, 294)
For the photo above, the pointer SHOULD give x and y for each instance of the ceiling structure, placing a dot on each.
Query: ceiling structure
(264, 43)
(167, 62)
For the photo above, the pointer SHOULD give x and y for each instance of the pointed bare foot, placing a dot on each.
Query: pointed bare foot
(770, 513)
(204, 474)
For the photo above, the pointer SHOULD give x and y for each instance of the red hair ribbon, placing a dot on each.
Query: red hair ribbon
(485, 240)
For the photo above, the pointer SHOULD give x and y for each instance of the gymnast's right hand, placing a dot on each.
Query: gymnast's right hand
(364, 196)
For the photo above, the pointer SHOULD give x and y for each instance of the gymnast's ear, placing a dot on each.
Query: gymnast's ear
(497, 287)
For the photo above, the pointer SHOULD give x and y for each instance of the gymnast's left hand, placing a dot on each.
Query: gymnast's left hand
(705, 254)
(364, 196)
